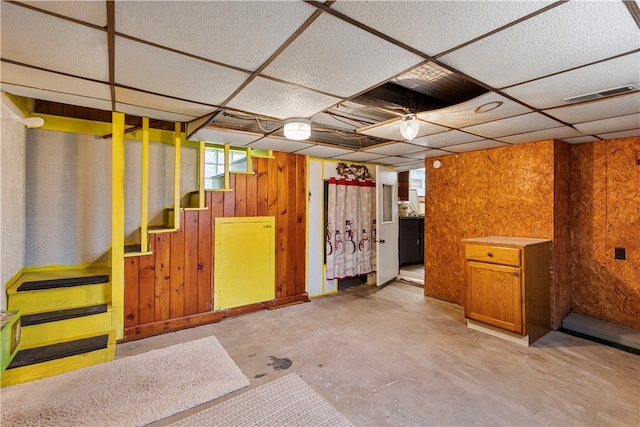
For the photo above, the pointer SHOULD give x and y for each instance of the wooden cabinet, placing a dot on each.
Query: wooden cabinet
(508, 286)
(411, 241)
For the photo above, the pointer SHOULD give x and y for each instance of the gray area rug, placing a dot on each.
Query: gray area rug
(131, 391)
(287, 401)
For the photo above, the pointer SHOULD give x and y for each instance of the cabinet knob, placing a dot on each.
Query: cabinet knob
(515, 273)
(489, 254)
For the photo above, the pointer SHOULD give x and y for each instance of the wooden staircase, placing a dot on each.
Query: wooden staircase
(67, 323)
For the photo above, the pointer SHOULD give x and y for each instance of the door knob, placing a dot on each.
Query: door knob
(381, 240)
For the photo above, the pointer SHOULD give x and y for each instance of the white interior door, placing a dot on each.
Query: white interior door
(387, 224)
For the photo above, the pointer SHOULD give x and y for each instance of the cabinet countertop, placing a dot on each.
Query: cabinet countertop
(503, 240)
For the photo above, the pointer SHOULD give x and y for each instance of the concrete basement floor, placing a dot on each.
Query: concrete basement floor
(391, 356)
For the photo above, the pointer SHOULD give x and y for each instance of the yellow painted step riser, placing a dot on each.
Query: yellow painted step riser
(31, 302)
(66, 330)
(58, 366)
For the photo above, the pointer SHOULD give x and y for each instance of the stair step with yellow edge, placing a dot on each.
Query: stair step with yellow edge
(41, 362)
(67, 322)
(53, 327)
(46, 291)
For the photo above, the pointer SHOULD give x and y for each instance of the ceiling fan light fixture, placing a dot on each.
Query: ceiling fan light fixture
(297, 129)
(409, 127)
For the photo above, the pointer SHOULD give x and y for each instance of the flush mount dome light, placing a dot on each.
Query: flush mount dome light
(409, 127)
(297, 129)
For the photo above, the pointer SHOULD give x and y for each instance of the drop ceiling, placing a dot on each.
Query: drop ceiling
(478, 75)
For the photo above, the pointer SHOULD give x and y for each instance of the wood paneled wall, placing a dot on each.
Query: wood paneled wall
(507, 191)
(173, 287)
(605, 214)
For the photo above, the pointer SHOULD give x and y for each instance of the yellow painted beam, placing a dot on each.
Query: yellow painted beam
(21, 103)
(144, 203)
(226, 167)
(249, 160)
(201, 156)
(176, 178)
(117, 222)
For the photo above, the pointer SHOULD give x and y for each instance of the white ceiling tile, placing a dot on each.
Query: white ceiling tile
(599, 109)
(614, 124)
(444, 139)
(42, 40)
(390, 130)
(475, 146)
(220, 136)
(572, 34)
(513, 125)
(436, 153)
(580, 139)
(410, 166)
(395, 148)
(92, 12)
(239, 33)
(331, 55)
(64, 98)
(540, 135)
(25, 76)
(489, 106)
(160, 71)
(279, 144)
(621, 134)
(425, 153)
(323, 151)
(359, 156)
(156, 102)
(422, 24)
(550, 91)
(393, 160)
(279, 100)
(134, 110)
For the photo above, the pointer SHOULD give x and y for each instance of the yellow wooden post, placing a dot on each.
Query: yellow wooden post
(117, 222)
(144, 203)
(176, 178)
(201, 159)
(249, 160)
(226, 167)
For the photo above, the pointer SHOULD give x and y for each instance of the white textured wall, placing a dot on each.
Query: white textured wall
(69, 194)
(68, 198)
(12, 202)
(160, 182)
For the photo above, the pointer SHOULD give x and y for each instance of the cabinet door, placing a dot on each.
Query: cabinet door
(495, 295)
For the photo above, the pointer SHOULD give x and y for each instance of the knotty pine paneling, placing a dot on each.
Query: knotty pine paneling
(505, 191)
(173, 287)
(605, 213)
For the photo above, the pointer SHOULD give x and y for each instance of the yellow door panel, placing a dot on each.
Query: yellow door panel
(244, 265)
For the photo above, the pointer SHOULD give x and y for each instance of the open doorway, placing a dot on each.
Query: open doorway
(411, 195)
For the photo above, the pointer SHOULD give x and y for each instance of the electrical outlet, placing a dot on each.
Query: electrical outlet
(620, 253)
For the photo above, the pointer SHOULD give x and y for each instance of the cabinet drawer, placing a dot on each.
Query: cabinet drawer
(493, 254)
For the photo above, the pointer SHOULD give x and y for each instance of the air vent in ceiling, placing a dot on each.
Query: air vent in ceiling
(602, 94)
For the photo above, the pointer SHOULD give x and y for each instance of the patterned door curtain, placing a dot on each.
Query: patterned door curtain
(351, 228)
